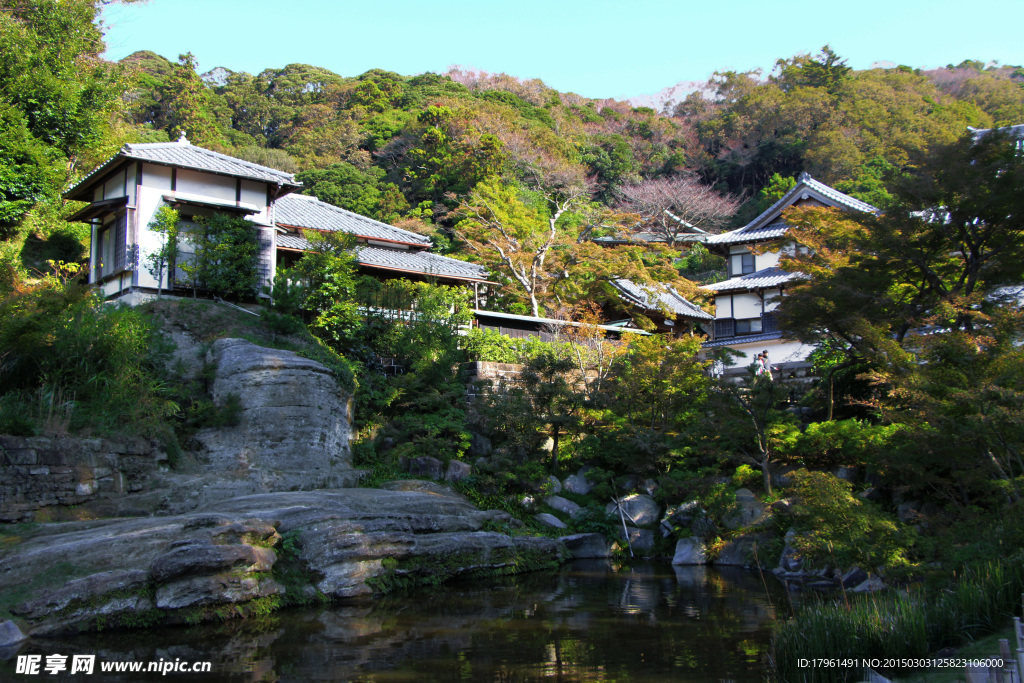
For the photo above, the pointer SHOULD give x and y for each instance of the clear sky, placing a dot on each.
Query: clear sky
(596, 48)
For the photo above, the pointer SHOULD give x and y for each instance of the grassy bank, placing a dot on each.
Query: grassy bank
(982, 599)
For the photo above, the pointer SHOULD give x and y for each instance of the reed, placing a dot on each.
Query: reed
(903, 625)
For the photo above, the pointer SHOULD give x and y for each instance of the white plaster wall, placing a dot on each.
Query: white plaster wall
(150, 198)
(206, 184)
(747, 305)
(779, 351)
(723, 306)
(156, 177)
(767, 260)
(115, 186)
(255, 193)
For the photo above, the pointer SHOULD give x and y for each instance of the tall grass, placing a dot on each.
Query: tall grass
(917, 624)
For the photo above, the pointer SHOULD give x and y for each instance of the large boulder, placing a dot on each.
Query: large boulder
(641, 541)
(587, 546)
(294, 421)
(741, 552)
(550, 520)
(10, 634)
(748, 511)
(690, 551)
(578, 483)
(563, 505)
(638, 508)
(457, 470)
(177, 568)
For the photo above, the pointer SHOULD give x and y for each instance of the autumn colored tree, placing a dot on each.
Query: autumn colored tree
(674, 207)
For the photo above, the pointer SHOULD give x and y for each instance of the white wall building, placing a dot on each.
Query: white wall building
(126, 191)
(745, 303)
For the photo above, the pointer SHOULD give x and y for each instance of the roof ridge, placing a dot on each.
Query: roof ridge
(346, 212)
(806, 180)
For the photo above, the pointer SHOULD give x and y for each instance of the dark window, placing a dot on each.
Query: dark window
(769, 323)
(748, 263)
(724, 328)
(120, 229)
(748, 326)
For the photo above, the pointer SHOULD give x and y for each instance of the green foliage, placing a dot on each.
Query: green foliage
(416, 326)
(836, 528)
(225, 255)
(328, 280)
(186, 103)
(839, 443)
(164, 259)
(914, 625)
(74, 363)
(359, 191)
(491, 346)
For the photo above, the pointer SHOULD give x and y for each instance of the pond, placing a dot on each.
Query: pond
(589, 621)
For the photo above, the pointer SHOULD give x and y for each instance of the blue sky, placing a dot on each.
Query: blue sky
(595, 48)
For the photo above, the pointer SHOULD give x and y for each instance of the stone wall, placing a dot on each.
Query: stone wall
(41, 475)
(479, 375)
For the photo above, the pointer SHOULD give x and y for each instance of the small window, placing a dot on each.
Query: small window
(752, 326)
(724, 328)
(120, 230)
(748, 263)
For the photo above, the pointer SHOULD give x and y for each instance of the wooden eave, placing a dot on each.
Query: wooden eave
(101, 208)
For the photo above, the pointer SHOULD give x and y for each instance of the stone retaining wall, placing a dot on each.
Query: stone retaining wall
(40, 473)
(481, 375)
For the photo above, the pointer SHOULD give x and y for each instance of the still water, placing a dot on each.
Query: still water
(585, 622)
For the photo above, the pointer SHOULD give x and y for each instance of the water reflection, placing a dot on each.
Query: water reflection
(583, 623)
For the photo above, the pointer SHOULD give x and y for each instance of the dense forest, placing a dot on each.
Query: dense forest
(921, 375)
(426, 152)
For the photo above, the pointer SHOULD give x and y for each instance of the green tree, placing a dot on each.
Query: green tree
(225, 255)
(186, 103)
(165, 224)
(58, 100)
(749, 420)
(327, 272)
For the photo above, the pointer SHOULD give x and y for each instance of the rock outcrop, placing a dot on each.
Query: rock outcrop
(255, 553)
(294, 423)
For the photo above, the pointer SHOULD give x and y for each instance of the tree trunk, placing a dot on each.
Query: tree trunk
(767, 476)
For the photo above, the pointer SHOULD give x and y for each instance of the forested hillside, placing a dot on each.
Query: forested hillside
(462, 156)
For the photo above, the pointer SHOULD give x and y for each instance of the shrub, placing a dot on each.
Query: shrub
(838, 528)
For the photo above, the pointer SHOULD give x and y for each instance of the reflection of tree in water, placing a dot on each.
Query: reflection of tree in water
(648, 623)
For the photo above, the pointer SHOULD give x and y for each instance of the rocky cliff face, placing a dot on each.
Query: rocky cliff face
(252, 554)
(295, 421)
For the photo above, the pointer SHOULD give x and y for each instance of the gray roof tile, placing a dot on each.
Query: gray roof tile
(749, 339)
(651, 299)
(422, 262)
(185, 155)
(309, 212)
(761, 279)
(764, 227)
(768, 232)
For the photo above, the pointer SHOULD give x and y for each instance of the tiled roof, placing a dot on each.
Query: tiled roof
(185, 155)
(420, 262)
(650, 298)
(761, 279)
(766, 227)
(309, 212)
(768, 232)
(397, 259)
(749, 339)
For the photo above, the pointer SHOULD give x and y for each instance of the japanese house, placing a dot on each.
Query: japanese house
(745, 303)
